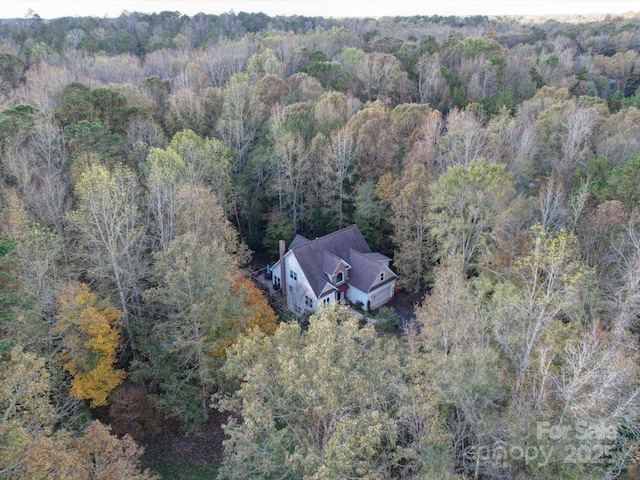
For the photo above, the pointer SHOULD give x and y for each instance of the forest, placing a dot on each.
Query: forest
(150, 162)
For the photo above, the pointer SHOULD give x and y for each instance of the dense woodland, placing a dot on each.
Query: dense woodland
(145, 159)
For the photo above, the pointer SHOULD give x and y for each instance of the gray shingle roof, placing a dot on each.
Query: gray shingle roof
(378, 257)
(330, 263)
(297, 241)
(311, 255)
(365, 271)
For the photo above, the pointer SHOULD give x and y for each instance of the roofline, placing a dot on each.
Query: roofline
(326, 236)
(383, 267)
(340, 261)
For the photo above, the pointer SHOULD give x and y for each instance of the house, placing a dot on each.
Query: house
(338, 266)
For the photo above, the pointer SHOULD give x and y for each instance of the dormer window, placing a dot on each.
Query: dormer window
(382, 276)
(339, 277)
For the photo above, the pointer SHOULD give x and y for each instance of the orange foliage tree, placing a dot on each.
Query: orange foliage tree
(255, 313)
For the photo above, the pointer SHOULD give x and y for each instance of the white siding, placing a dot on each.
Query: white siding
(299, 288)
(275, 274)
(354, 295)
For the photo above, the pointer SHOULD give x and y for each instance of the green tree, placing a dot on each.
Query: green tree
(466, 208)
(18, 324)
(278, 228)
(210, 163)
(75, 104)
(622, 184)
(205, 308)
(79, 102)
(24, 402)
(110, 108)
(16, 124)
(194, 291)
(88, 136)
(12, 69)
(411, 237)
(368, 213)
(10, 293)
(312, 402)
(329, 73)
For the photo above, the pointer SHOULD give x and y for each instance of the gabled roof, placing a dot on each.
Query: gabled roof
(311, 254)
(331, 262)
(365, 271)
(297, 241)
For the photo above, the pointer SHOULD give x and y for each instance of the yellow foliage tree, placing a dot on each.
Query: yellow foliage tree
(89, 328)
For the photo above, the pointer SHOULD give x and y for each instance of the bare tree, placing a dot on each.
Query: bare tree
(432, 84)
(541, 286)
(622, 67)
(464, 138)
(291, 164)
(551, 204)
(338, 168)
(579, 124)
(383, 77)
(111, 236)
(240, 118)
(225, 58)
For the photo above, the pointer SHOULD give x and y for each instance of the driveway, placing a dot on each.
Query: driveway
(404, 304)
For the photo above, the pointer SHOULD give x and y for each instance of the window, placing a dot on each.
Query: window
(326, 300)
(339, 277)
(382, 277)
(308, 301)
(293, 275)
